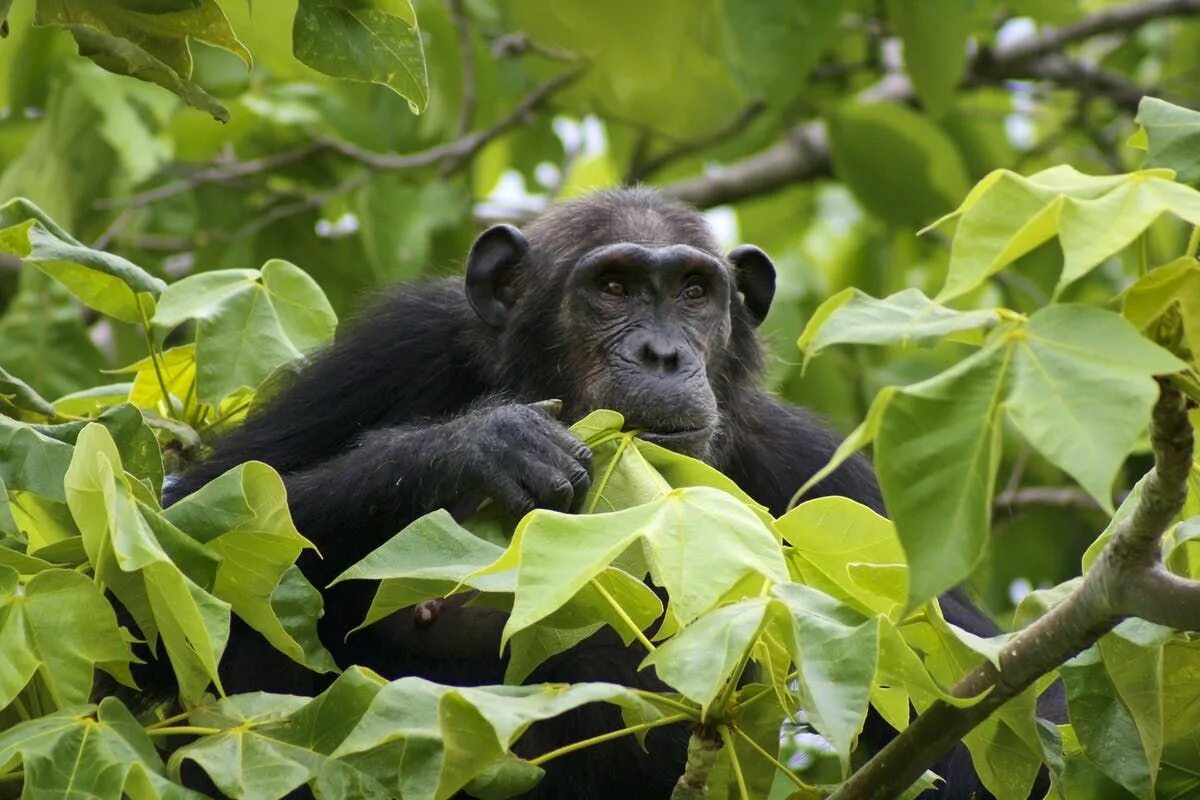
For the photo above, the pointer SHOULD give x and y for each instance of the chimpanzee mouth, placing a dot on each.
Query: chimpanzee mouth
(679, 438)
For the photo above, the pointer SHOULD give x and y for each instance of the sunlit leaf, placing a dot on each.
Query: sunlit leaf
(1170, 135)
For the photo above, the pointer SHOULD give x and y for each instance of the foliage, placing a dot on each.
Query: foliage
(1004, 352)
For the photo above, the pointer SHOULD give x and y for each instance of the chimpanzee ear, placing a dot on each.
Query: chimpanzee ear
(491, 269)
(755, 277)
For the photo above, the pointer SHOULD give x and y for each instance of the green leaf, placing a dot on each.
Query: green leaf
(836, 650)
(835, 540)
(19, 400)
(70, 753)
(734, 546)
(450, 736)
(1083, 390)
(148, 43)
(1006, 215)
(105, 282)
(899, 164)
(701, 659)
(134, 438)
(60, 626)
(43, 340)
(372, 40)
(248, 323)
(1171, 287)
(1106, 729)
(141, 557)
(243, 517)
(854, 317)
(934, 33)
(1078, 384)
(1171, 137)
(776, 44)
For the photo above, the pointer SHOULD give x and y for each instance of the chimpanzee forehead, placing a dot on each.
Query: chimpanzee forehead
(648, 255)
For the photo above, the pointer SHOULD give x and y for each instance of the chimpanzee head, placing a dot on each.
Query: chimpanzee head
(622, 300)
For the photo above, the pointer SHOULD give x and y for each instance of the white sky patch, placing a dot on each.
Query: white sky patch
(1018, 589)
(724, 222)
(1014, 30)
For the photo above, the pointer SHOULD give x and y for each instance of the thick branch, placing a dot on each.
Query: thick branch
(1126, 580)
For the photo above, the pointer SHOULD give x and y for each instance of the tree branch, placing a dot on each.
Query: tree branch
(457, 153)
(1127, 579)
(803, 153)
(644, 165)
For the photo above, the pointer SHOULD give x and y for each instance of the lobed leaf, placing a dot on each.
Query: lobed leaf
(249, 322)
(1006, 216)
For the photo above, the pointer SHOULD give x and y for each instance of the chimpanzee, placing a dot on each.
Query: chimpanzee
(618, 300)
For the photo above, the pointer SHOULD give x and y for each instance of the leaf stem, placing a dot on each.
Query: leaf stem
(604, 737)
(1193, 242)
(18, 775)
(791, 676)
(779, 765)
(620, 612)
(154, 360)
(598, 489)
(166, 721)
(184, 730)
(733, 762)
(655, 697)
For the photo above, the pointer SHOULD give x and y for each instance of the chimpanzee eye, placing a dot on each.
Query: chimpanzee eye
(693, 291)
(615, 288)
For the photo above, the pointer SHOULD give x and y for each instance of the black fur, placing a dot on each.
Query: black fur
(423, 402)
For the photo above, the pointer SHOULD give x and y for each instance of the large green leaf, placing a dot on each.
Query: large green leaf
(105, 282)
(704, 657)
(154, 569)
(699, 543)
(1170, 135)
(150, 43)
(934, 33)
(249, 322)
(243, 517)
(775, 44)
(1077, 382)
(60, 626)
(836, 650)
(899, 164)
(1106, 729)
(371, 40)
(854, 317)
(849, 552)
(1006, 215)
(81, 753)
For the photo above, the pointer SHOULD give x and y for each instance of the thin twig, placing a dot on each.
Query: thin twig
(466, 112)
(644, 167)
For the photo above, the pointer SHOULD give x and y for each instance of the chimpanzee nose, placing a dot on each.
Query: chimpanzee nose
(659, 354)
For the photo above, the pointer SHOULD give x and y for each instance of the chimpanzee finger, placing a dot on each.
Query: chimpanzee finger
(548, 484)
(511, 495)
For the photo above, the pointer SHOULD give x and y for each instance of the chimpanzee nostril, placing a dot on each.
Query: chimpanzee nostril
(660, 355)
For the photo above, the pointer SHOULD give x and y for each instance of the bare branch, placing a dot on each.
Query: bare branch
(802, 155)
(1127, 579)
(644, 166)
(1012, 500)
(1108, 20)
(456, 152)
(1036, 57)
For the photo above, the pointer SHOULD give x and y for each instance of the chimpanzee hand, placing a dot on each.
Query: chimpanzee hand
(519, 456)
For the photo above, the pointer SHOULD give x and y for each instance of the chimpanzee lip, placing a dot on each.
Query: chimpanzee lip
(676, 434)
